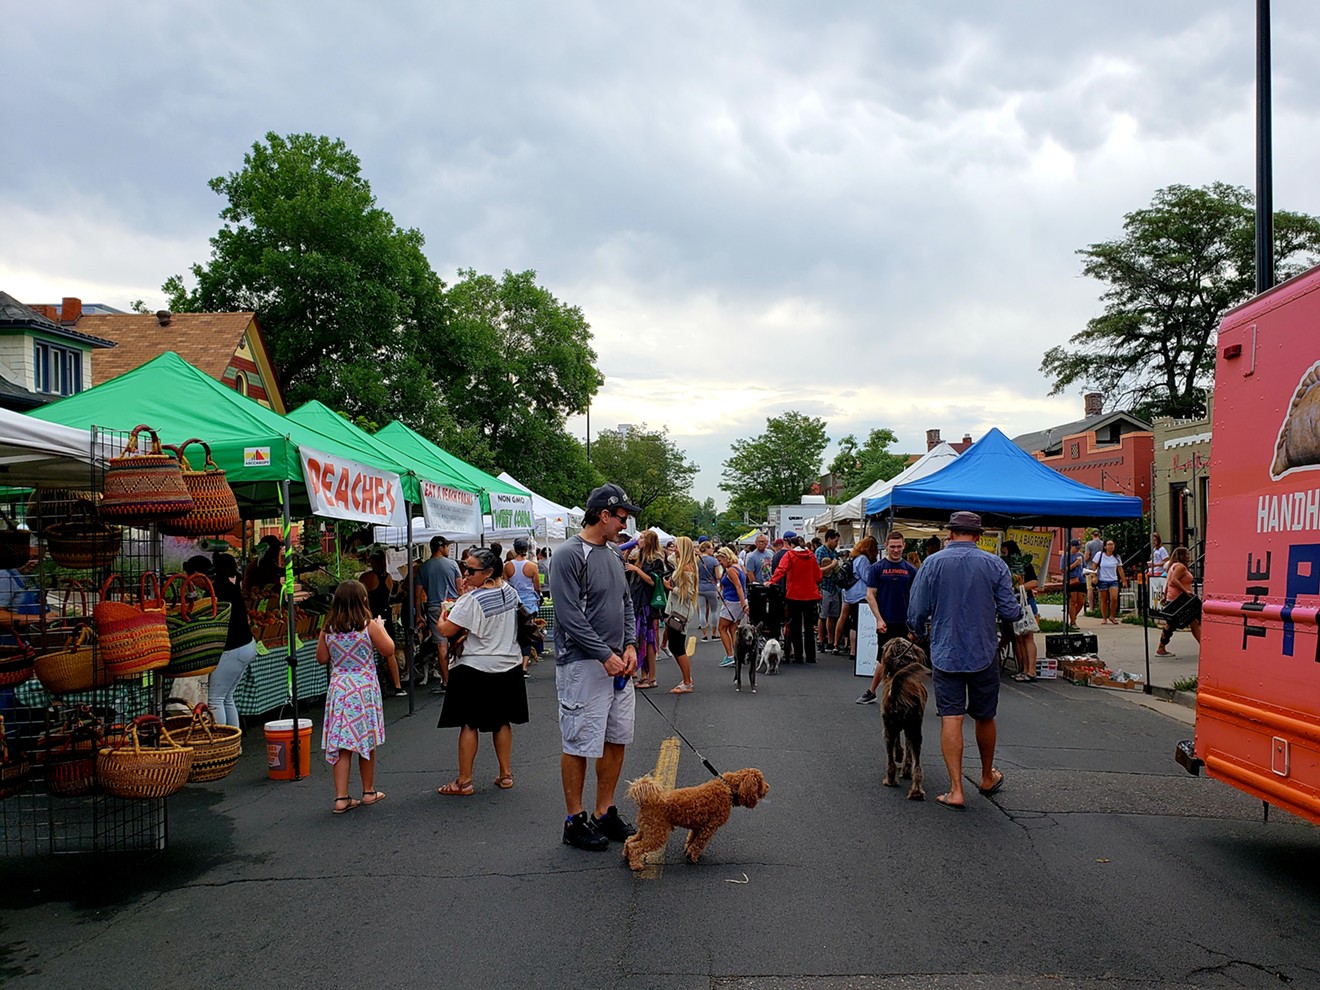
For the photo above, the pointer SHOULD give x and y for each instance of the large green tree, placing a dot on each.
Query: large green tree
(1181, 262)
(525, 365)
(683, 516)
(857, 466)
(647, 463)
(349, 304)
(777, 467)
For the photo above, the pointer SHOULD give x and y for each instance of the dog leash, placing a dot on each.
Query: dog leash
(704, 762)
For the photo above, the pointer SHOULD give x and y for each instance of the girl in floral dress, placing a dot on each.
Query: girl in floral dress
(354, 719)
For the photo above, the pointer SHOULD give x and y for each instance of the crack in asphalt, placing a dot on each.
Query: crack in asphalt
(1223, 968)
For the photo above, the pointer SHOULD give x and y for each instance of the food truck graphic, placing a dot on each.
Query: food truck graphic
(1258, 690)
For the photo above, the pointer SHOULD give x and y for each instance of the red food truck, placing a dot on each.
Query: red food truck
(1258, 690)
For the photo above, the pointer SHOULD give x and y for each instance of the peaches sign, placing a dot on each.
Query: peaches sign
(342, 489)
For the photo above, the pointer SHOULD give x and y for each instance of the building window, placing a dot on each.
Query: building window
(56, 370)
(241, 383)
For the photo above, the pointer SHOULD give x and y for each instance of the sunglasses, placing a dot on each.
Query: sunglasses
(473, 570)
(622, 518)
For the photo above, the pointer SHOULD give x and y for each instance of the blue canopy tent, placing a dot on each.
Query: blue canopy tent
(1002, 482)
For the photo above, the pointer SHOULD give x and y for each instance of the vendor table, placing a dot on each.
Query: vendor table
(265, 684)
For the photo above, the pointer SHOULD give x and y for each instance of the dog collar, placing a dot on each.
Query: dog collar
(733, 793)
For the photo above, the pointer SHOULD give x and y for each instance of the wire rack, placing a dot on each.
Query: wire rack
(60, 808)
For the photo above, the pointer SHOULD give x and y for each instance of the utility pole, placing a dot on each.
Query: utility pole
(1264, 154)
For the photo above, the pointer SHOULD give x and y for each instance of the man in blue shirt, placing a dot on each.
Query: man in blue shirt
(888, 588)
(963, 592)
(827, 557)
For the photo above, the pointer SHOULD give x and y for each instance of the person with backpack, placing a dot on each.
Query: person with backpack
(827, 629)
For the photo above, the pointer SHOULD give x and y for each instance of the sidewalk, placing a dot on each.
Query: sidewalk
(1123, 647)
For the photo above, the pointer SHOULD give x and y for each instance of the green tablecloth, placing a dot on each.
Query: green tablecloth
(265, 684)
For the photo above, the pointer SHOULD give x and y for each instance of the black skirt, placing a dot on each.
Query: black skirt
(483, 701)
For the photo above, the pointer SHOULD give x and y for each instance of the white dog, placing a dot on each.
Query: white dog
(771, 654)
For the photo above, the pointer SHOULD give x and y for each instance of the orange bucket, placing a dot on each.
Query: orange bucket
(279, 748)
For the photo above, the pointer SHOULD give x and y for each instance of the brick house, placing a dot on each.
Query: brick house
(227, 346)
(42, 358)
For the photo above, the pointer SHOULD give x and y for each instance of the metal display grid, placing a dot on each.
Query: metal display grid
(34, 821)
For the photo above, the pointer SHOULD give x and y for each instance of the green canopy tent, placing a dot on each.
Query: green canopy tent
(425, 454)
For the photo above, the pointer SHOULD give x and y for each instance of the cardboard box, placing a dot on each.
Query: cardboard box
(1070, 644)
(1099, 680)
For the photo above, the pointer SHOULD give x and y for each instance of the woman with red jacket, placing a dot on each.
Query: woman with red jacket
(801, 575)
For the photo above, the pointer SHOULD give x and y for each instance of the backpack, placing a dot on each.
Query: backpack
(844, 575)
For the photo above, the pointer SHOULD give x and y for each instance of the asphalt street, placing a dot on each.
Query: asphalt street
(1100, 864)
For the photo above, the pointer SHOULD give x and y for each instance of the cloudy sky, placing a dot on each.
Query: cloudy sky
(865, 211)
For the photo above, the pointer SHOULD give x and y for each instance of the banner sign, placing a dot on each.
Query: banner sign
(1036, 546)
(342, 489)
(450, 510)
(511, 511)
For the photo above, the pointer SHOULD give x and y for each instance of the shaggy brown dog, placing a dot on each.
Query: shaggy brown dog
(702, 810)
(902, 707)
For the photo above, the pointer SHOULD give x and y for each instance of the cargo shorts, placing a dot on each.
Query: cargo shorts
(591, 711)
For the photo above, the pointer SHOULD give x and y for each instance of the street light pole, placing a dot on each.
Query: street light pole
(1264, 153)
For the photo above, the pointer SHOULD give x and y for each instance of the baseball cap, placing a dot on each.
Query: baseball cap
(520, 545)
(610, 497)
(967, 522)
(790, 535)
(1076, 543)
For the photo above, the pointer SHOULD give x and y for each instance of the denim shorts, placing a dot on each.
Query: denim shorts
(974, 693)
(1106, 585)
(591, 711)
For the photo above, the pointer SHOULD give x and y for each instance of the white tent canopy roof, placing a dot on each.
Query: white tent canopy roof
(938, 457)
(554, 522)
(33, 452)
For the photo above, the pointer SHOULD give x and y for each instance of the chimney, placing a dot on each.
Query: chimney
(163, 317)
(70, 311)
(1094, 403)
(967, 438)
(932, 439)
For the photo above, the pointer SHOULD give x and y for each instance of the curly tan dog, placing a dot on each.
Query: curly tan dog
(702, 810)
(902, 706)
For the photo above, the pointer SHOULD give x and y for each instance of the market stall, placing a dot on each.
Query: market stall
(1004, 484)
(854, 509)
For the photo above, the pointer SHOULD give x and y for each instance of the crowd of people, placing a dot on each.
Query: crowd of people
(622, 606)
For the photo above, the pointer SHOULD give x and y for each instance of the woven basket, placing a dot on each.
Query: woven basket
(215, 747)
(215, 510)
(144, 772)
(15, 544)
(16, 661)
(82, 541)
(144, 487)
(197, 634)
(73, 669)
(131, 638)
(68, 760)
(13, 773)
(48, 506)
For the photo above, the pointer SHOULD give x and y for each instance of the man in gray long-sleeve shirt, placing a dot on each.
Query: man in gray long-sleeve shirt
(595, 656)
(963, 592)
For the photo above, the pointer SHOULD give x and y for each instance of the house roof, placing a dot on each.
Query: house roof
(13, 396)
(207, 341)
(15, 316)
(1051, 440)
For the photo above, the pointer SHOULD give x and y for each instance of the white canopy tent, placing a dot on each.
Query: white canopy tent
(559, 522)
(35, 452)
(933, 460)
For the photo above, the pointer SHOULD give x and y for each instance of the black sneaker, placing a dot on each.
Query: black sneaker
(867, 698)
(612, 825)
(580, 833)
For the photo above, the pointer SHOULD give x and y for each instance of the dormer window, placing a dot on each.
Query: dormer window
(56, 370)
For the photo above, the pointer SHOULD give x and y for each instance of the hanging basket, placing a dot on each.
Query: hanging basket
(215, 510)
(15, 544)
(144, 487)
(16, 661)
(132, 638)
(73, 668)
(68, 756)
(156, 770)
(197, 629)
(49, 506)
(14, 772)
(82, 541)
(215, 747)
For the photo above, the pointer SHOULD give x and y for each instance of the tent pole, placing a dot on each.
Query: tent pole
(1067, 574)
(410, 621)
(1145, 595)
(291, 637)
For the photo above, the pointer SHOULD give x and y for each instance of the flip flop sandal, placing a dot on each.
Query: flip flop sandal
(952, 807)
(997, 785)
(455, 788)
(376, 797)
(504, 781)
(352, 803)
(681, 689)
